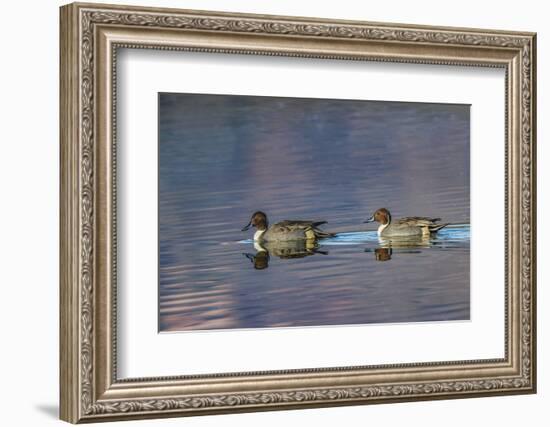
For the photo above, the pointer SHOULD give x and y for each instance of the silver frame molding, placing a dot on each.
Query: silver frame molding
(90, 37)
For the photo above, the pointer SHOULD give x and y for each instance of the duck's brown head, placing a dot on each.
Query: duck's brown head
(382, 216)
(258, 220)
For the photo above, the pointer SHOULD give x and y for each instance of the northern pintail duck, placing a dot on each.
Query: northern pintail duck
(409, 227)
(285, 230)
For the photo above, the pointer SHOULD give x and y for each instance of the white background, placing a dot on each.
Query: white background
(29, 171)
(143, 352)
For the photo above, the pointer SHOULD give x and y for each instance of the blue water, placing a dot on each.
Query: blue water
(223, 157)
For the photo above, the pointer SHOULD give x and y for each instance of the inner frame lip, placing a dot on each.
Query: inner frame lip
(504, 362)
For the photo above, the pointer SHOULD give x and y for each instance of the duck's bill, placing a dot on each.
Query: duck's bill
(246, 227)
(371, 219)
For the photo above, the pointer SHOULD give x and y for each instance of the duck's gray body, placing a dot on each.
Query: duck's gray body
(410, 227)
(413, 226)
(284, 231)
(292, 230)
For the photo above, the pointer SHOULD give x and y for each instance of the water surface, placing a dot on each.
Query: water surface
(223, 157)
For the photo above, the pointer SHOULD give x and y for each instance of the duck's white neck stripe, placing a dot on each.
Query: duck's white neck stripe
(258, 234)
(381, 228)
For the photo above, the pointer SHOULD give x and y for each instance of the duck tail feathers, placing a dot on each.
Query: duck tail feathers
(436, 227)
(320, 234)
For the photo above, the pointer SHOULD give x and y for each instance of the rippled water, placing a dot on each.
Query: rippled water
(224, 157)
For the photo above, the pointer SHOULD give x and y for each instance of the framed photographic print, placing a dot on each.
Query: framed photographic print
(264, 212)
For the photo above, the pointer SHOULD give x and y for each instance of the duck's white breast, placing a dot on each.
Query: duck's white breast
(381, 228)
(258, 234)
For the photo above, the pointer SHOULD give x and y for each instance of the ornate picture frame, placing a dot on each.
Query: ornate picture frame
(90, 37)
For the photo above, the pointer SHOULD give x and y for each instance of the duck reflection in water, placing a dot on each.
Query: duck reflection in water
(260, 260)
(383, 254)
(402, 246)
(283, 250)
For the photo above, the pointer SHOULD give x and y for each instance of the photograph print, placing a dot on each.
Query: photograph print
(300, 212)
